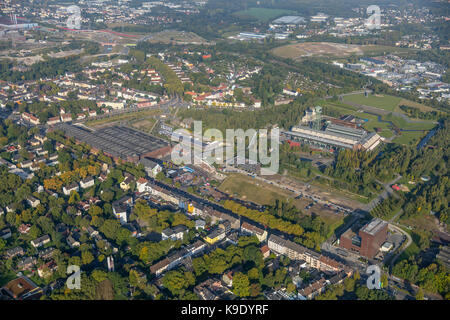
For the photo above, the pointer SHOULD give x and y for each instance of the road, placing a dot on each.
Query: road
(387, 191)
(398, 214)
(347, 94)
(408, 243)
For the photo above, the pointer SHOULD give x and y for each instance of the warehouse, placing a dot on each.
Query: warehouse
(334, 137)
(119, 142)
(14, 22)
(289, 20)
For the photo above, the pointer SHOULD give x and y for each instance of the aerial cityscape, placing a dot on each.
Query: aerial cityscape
(238, 150)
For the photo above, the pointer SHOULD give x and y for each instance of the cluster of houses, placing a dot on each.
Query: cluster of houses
(37, 156)
(225, 229)
(180, 74)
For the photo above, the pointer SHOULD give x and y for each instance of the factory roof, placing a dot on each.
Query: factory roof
(374, 226)
(119, 141)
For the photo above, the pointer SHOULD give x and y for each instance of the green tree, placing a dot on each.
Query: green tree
(241, 285)
(86, 257)
(74, 197)
(419, 294)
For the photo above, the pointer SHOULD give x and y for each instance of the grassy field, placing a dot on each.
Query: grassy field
(409, 138)
(413, 104)
(263, 14)
(339, 192)
(403, 124)
(421, 223)
(382, 50)
(332, 49)
(340, 107)
(307, 49)
(385, 102)
(412, 250)
(144, 125)
(246, 188)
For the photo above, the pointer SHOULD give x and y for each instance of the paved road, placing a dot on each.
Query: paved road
(408, 243)
(398, 214)
(387, 191)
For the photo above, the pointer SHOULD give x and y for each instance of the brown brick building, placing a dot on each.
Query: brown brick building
(368, 240)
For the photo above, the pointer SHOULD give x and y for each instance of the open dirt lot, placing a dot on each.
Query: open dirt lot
(306, 49)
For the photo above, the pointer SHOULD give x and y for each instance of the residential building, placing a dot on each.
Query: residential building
(175, 233)
(33, 202)
(248, 228)
(120, 212)
(39, 242)
(87, 182)
(151, 167)
(5, 233)
(215, 235)
(72, 187)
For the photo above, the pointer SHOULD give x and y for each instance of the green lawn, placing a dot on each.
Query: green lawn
(403, 124)
(413, 248)
(263, 14)
(409, 138)
(382, 50)
(385, 102)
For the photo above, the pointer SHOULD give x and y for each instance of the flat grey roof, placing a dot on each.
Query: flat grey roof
(119, 141)
(290, 20)
(374, 226)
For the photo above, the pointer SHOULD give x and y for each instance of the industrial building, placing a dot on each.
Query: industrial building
(119, 142)
(333, 136)
(369, 239)
(289, 20)
(14, 22)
